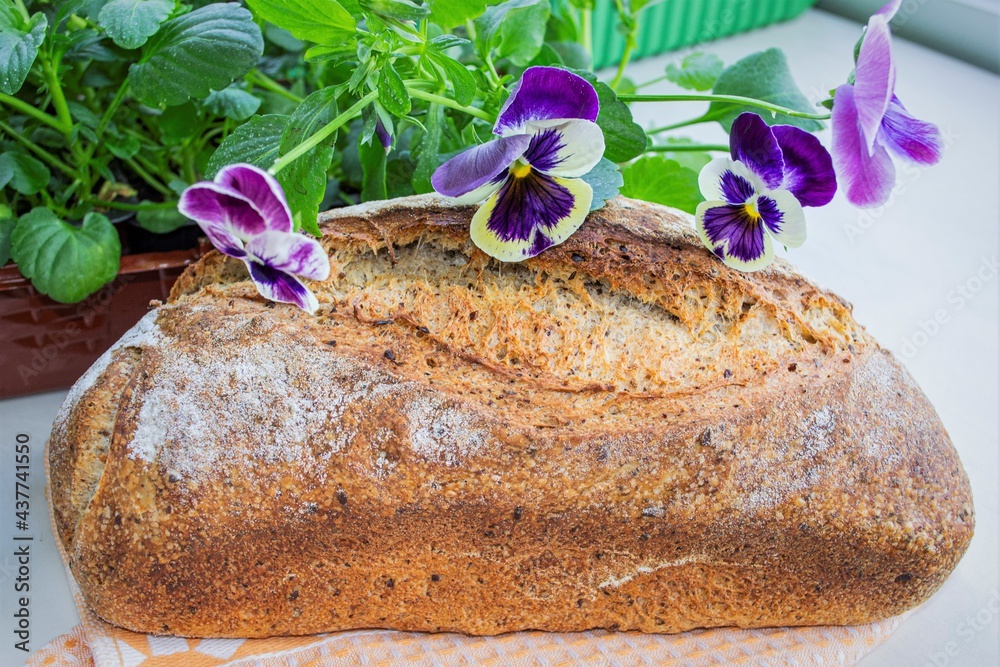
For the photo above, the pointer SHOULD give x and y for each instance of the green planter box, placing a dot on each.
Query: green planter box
(672, 24)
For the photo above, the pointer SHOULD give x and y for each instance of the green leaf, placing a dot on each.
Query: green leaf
(254, 142)
(313, 113)
(691, 159)
(179, 123)
(606, 180)
(195, 54)
(304, 180)
(450, 14)
(23, 173)
(572, 54)
(319, 21)
(392, 92)
(304, 183)
(283, 38)
(764, 76)
(624, 139)
(698, 71)
(373, 160)
(401, 10)
(428, 159)
(19, 48)
(459, 75)
(515, 29)
(160, 221)
(64, 261)
(122, 146)
(655, 178)
(232, 102)
(130, 23)
(6, 229)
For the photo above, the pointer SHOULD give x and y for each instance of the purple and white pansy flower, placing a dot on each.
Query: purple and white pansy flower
(758, 192)
(530, 176)
(870, 123)
(245, 215)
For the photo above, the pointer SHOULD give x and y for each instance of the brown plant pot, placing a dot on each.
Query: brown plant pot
(45, 345)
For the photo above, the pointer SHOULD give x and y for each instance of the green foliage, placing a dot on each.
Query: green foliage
(131, 22)
(121, 104)
(373, 163)
(23, 173)
(663, 181)
(450, 14)
(514, 29)
(159, 220)
(319, 21)
(698, 71)
(196, 53)
(232, 102)
(764, 76)
(624, 139)
(255, 142)
(19, 42)
(6, 229)
(606, 180)
(64, 261)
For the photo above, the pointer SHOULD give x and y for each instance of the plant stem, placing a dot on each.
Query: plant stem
(23, 9)
(687, 148)
(629, 47)
(451, 104)
(267, 83)
(680, 124)
(646, 84)
(143, 206)
(58, 97)
(112, 108)
(29, 110)
(587, 31)
(149, 178)
(730, 99)
(39, 151)
(324, 132)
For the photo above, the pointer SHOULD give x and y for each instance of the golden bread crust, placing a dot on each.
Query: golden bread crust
(620, 433)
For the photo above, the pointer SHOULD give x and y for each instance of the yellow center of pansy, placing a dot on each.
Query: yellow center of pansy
(520, 169)
(751, 209)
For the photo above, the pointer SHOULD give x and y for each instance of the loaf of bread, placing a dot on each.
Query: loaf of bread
(620, 433)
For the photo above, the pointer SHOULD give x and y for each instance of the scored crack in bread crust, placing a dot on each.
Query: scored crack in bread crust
(620, 433)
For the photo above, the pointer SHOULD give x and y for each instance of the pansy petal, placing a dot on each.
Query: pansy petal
(293, 253)
(809, 171)
(783, 216)
(728, 180)
(275, 285)
(752, 142)
(889, 9)
(908, 137)
(529, 215)
(734, 235)
(565, 148)
(212, 207)
(546, 93)
(262, 190)
(478, 166)
(874, 79)
(867, 179)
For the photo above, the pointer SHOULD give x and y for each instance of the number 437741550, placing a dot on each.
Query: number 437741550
(22, 470)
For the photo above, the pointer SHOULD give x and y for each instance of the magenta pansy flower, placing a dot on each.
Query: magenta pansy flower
(870, 124)
(529, 177)
(245, 215)
(758, 192)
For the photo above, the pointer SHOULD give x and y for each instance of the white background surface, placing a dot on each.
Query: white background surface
(899, 265)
